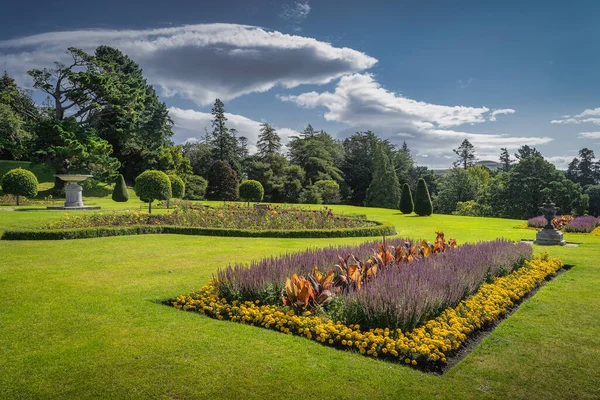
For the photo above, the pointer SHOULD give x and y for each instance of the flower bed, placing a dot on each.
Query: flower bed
(227, 217)
(559, 222)
(582, 224)
(441, 327)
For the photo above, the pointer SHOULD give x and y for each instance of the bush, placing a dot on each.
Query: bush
(177, 186)
(406, 201)
(152, 185)
(311, 195)
(423, 205)
(120, 193)
(20, 182)
(195, 187)
(251, 190)
(222, 182)
(330, 191)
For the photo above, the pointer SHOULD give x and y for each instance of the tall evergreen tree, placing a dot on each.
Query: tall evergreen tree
(525, 151)
(505, 159)
(406, 201)
(466, 154)
(222, 182)
(586, 167)
(359, 150)
(243, 147)
(308, 132)
(268, 141)
(384, 190)
(423, 206)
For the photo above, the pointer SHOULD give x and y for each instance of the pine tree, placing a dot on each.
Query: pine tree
(384, 190)
(466, 154)
(406, 201)
(505, 159)
(268, 141)
(308, 132)
(525, 152)
(423, 206)
(120, 193)
(222, 141)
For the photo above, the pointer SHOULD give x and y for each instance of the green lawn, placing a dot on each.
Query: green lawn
(80, 319)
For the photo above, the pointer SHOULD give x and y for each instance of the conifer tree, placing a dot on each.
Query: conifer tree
(268, 141)
(423, 206)
(384, 190)
(466, 154)
(406, 201)
(120, 193)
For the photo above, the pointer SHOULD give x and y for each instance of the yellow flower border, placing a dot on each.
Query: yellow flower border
(430, 343)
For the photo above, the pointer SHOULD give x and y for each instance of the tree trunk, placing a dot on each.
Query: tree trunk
(149, 207)
(18, 200)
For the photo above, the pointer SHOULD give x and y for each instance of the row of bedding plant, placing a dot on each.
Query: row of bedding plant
(567, 223)
(231, 217)
(411, 301)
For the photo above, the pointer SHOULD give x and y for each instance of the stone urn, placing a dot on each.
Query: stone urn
(549, 235)
(73, 197)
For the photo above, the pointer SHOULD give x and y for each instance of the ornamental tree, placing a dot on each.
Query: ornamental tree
(222, 182)
(20, 182)
(423, 206)
(152, 185)
(120, 193)
(384, 190)
(251, 190)
(406, 201)
(177, 186)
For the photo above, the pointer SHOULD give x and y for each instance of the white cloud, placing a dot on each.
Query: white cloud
(587, 116)
(297, 11)
(360, 102)
(501, 111)
(589, 135)
(199, 62)
(190, 125)
(560, 162)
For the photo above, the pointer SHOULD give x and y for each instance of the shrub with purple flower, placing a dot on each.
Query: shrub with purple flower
(582, 224)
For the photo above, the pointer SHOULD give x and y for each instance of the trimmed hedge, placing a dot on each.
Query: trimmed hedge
(382, 228)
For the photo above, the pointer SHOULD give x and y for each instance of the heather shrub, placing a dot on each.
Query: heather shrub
(423, 206)
(20, 182)
(152, 185)
(582, 224)
(177, 186)
(120, 193)
(251, 190)
(406, 201)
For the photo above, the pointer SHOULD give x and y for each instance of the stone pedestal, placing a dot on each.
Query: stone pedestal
(73, 195)
(549, 237)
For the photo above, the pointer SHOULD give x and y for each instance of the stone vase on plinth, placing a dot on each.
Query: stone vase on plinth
(549, 235)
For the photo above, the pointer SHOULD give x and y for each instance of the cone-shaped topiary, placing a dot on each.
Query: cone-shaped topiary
(251, 190)
(20, 182)
(152, 185)
(120, 193)
(177, 186)
(222, 182)
(423, 205)
(384, 190)
(406, 201)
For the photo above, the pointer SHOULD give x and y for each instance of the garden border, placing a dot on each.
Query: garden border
(380, 229)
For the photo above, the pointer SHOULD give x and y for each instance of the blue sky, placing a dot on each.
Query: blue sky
(431, 73)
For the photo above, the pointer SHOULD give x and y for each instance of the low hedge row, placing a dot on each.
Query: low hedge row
(380, 229)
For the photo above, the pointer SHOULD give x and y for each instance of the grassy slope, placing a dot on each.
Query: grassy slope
(78, 319)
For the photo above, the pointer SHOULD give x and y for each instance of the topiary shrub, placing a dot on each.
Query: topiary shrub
(406, 201)
(120, 193)
(330, 191)
(251, 190)
(195, 187)
(177, 186)
(20, 182)
(423, 206)
(152, 185)
(222, 182)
